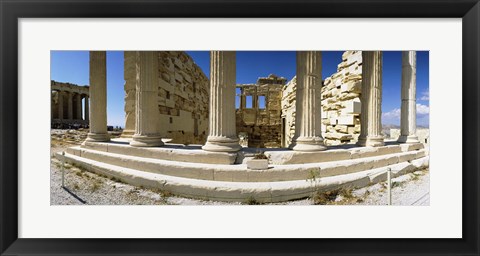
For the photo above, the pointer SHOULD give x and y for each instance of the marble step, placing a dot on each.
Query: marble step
(241, 191)
(172, 152)
(194, 153)
(239, 172)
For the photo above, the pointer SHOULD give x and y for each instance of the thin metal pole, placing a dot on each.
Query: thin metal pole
(63, 169)
(389, 186)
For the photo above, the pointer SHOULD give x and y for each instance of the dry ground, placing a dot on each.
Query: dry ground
(82, 187)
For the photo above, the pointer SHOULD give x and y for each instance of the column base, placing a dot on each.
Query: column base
(221, 144)
(146, 141)
(127, 133)
(371, 141)
(408, 139)
(308, 144)
(98, 137)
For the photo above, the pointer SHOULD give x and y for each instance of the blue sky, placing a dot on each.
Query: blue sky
(73, 67)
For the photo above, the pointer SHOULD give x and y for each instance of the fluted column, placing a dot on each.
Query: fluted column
(371, 116)
(147, 133)
(243, 100)
(98, 97)
(129, 75)
(87, 109)
(70, 105)
(308, 134)
(60, 105)
(222, 135)
(408, 117)
(79, 106)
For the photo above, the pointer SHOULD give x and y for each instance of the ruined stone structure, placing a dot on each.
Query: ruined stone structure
(259, 122)
(183, 91)
(288, 112)
(340, 104)
(218, 170)
(67, 109)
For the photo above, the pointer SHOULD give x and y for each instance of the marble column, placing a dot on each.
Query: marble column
(87, 108)
(408, 118)
(70, 106)
(98, 96)
(308, 134)
(243, 100)
(79, 106)
(371, 117)
(147, 114)
(60, 105)
(222, 135)
(129, 75)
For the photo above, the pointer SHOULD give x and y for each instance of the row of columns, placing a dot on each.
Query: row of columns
(370, 121)
(222, 135)
(71, 115)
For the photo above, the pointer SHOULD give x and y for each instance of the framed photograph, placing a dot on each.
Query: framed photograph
(224, 127)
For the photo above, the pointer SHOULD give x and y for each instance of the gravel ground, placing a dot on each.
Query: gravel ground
(409, 189)
(85, 188)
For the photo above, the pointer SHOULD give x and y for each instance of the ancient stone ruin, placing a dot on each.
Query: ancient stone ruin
(259, 123)
(340, 103)
(167, 95)
(183, 91)
(67, 109)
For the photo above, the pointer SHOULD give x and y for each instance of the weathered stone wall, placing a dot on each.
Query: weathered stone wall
(261, 127)
(182, 97)
(340, 103)
(288, 111)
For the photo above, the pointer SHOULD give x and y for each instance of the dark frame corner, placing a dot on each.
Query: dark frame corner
(11, 11)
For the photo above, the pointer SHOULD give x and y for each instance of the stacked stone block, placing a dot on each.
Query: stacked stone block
(288, 111)
(261, 127)
(183, 98)
(341, 105)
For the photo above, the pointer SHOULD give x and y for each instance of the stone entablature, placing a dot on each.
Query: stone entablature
(183, 97)
(260, 125)
(69, 87)
(68, 107)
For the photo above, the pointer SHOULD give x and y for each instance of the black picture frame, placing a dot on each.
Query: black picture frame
(11, 11)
